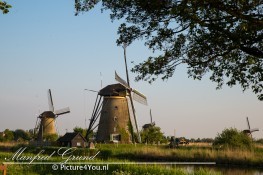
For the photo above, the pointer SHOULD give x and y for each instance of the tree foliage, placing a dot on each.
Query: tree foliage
(17, 135)
(233, 139)
(80, 130)
(223, 37)
(9, 135)
(152, 134)
(4, 7)
(50, 137)
(20, 134)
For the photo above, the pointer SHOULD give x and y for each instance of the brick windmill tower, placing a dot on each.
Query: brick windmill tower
(115, 110)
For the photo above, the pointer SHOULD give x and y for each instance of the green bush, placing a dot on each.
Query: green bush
(152, 135)
(233, 139)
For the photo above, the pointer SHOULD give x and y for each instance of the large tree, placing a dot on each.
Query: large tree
(223, 37)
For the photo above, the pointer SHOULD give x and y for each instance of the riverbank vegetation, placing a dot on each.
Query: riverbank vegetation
(122, 153)
(230, 148)
(160, 153)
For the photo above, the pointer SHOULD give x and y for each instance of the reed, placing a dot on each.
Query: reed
(191, 153)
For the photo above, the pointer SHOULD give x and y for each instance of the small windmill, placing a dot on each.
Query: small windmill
(249, 131)
(148, 125)
(117, 113)
(45, 124)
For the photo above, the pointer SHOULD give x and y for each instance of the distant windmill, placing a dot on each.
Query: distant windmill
(45, 124)
(117, 113)
(148, 125)
(249, 131)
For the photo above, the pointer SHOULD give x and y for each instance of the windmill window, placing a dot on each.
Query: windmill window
(115, 137)
(116, 107)
(115, 118)
(114, 129)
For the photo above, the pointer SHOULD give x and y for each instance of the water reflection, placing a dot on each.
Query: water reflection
(224, 170)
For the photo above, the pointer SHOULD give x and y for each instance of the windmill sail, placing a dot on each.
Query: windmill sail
(248, 125)
(50, 101)
(133, 118)
(151, 116)
(62, 111)
(120, 80)
(253, 130)
(37, 125)
(139, 97)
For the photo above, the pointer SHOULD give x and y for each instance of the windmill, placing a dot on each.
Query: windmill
(45, 124)
(148, 125)
(116, 112)
(249, 131)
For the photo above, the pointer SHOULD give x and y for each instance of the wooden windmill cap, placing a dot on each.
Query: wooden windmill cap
(114, 90)
(47, 114)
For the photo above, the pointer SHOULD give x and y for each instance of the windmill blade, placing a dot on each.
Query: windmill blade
(100, 80)
(120, 80)
(95, 114)
(133, 117)
(50, 101)
(253, 130)
(62, 111)
(56, 127)
(139, 97)
(151, 116)
(37, 125)
(248, 123)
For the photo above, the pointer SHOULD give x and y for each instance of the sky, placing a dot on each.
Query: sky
(44, 46)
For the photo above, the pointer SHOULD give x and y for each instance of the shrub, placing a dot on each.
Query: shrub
(152, 134)
(233, 139)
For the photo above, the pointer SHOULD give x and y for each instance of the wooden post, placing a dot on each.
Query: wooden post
(3, 168)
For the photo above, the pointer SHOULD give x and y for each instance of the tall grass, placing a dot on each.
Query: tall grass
(191, 153)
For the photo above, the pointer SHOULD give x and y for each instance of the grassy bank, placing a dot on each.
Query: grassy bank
(160, 153)
(252, 158)
(140, 153)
